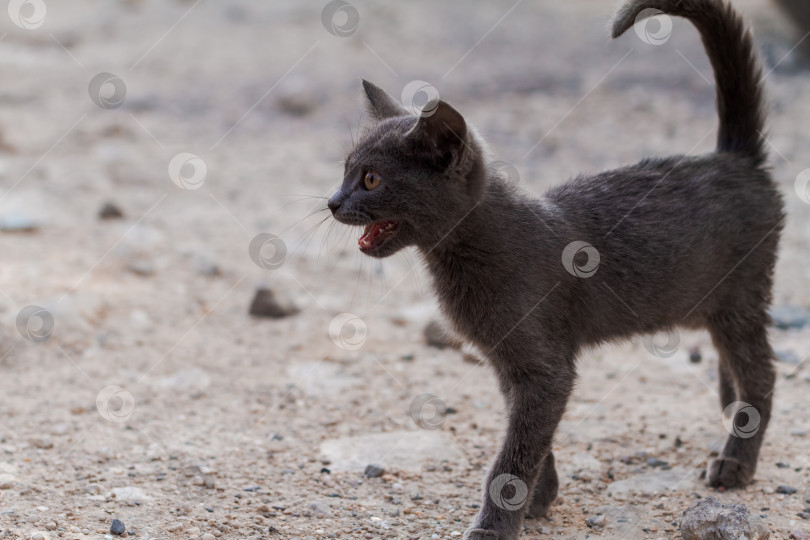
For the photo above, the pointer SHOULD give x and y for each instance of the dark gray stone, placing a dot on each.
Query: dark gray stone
(265, 304)
(373, 471)
(110, 211)
(117, 527)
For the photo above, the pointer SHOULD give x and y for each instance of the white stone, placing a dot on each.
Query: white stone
(402, 450)
(130, 494)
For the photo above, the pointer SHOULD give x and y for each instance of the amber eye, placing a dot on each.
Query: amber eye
(372, 180)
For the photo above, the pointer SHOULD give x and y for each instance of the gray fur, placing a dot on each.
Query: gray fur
(682, 241)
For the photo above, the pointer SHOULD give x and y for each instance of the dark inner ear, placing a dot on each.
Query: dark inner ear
(442, 133)
(380, 104)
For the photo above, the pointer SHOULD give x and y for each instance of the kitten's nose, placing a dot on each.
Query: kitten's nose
(334, 202)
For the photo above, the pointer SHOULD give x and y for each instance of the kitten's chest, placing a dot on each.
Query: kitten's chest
(471, 300)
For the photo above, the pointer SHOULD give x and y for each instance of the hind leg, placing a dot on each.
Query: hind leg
(746, 358)
(545, 490)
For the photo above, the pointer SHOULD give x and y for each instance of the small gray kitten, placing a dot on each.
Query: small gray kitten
(679, 241)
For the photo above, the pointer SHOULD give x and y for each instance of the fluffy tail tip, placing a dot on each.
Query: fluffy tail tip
(626, 17)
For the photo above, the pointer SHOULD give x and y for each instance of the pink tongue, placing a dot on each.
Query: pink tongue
(369, 234)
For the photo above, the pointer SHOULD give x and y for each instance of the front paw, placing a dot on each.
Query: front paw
(481, 534)
(728, 472)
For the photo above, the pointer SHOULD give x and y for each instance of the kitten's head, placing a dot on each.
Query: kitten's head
(409, 179)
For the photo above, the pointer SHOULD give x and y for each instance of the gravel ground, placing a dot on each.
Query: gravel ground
(156, 399)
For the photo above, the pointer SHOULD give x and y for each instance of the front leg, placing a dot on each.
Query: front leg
(536, 405)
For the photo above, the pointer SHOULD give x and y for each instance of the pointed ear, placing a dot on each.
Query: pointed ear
(442, 130)
(380, 104)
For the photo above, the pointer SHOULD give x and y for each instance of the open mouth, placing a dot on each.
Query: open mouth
(377, 234)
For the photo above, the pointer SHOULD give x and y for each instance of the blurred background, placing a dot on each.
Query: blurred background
(190, 345)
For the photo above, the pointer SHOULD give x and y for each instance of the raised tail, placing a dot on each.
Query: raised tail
(736, 69)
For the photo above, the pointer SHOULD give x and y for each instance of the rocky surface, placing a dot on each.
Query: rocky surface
(145, 392)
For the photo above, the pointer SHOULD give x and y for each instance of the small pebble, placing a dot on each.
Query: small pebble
(117, 527)
(694, 355)
(110, 211)
(208, 536)
(265, 304)
(787, 317)
(437, 336)
(18, 223)
(596, 522)
(788, 357)
(6, 481)
(320, 509)
(655, 463)
(786, 490)
(174, 527)
(141, 268)
(373, 471)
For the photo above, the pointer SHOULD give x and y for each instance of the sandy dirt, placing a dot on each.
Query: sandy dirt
(157, 400)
